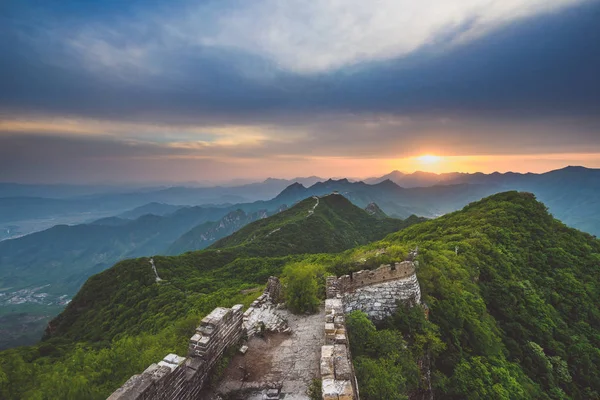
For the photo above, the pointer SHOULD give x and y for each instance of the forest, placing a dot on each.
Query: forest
(511, 296)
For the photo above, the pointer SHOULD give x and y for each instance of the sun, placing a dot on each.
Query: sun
(429, 159)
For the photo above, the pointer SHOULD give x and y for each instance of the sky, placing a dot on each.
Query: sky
(213, 90)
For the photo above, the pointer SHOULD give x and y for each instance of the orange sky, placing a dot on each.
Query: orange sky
(491, 163)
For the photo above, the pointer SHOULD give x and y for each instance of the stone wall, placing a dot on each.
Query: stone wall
(261, 316)
(375, 292)
(180, 378)
(337, 373)
(385, 273)
(274, 290)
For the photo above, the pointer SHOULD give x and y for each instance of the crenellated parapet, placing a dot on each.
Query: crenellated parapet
(357, 280)
(181, 378)
(338, 381)
(375, 292)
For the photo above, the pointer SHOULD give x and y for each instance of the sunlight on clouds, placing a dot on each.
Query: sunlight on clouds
(300, 36)
(225, 135)
(491, 163)
(429, 159)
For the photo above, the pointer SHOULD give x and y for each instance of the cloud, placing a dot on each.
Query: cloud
(209, 85)
(322, 35)
(542, 67)
(299, 36)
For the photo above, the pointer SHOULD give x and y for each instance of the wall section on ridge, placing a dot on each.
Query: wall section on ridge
(180, 378)
(375, 292)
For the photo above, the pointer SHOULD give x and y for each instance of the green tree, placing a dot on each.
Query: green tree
(302, 287)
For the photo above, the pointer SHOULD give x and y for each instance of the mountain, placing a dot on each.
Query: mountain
(207, 233)
(415, 179)
(31, 208)
(316, 224)
(511, 294)
(374, 210)
(54, 263)
(64, 256)
(421, 179)
(512, 297)
(73, 252)
(150, 208)
(572, 194)
(333, 225)
(393, 199)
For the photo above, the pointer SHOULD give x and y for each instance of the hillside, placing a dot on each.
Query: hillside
(207, 233)
(336, 225)
(63, 257)
(315, 225)
(572, 194)
(512, 296)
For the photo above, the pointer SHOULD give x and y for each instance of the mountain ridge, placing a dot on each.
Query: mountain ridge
(498, 277)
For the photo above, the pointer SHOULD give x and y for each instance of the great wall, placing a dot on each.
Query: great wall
(280, 353)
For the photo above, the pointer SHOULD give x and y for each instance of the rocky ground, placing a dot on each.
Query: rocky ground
(284, 363)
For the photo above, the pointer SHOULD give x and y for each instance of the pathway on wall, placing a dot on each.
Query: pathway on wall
(311, 212)
(278, 361)
(154, 269)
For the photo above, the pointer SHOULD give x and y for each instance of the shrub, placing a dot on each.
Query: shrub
(302, 287)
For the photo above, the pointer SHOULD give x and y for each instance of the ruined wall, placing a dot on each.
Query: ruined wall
(337, 373)
(261, 314)
(180, 378)
(274, 290)
(375, 291)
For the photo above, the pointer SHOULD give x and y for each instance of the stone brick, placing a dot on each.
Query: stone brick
(329, 389)
(178, 378)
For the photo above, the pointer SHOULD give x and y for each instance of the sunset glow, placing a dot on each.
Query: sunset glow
(202, 91)
(429, 159)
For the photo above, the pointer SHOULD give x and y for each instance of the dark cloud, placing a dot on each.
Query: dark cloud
(529, 87)
(545, 66)
(43, 158)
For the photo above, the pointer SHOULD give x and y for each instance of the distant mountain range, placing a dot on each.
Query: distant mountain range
(61, 258)
(29, 208)
(69, 254)
(572, 194)
(511, 296)
(330, 224)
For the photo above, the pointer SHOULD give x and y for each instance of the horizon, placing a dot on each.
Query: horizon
(240, 182)
(184, 91)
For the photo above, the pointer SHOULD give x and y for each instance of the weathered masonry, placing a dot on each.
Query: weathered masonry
(376, 292)
(337, 374)
(373, 292)
(180, 378)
